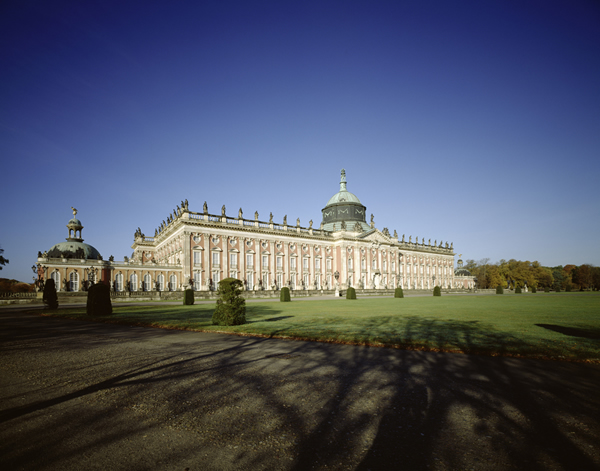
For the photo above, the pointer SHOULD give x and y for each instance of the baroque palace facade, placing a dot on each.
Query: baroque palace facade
(198, 249)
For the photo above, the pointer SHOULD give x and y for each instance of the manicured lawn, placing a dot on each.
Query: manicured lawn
(563, 326)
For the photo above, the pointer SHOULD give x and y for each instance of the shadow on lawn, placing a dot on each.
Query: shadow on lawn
(231, 402)
(590, 333)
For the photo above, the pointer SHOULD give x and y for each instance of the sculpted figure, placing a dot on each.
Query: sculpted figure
(205, 208)
(271, 218)
(256, 215)
(343, 225)
(240, 214)
(310, 224)
(223, 211)
(298, 222)
(409, 239)
(372, 219)
(285, 220)
(402, 237)
(186, 204)
(395, 234)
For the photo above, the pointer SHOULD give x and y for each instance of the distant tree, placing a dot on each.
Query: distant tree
(596, 278)
(582, 276)
(3, 261)
(231, 306)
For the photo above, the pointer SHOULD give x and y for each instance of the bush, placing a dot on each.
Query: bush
(98, 300)
(518, 290)
(499, 290)
(398, 293)
(188, 297)
(284, 296)
(437, 291)
(533, 289)
(568, 288)
(351, 293)
(231, 307)
(50, 297)
(546, 289)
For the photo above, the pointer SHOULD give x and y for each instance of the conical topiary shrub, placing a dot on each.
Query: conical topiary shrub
(398, 293)
(351, 293)
(50, 297)
(284, 296)
(231, 307)
(188, 297)
(499, 290)
(437, 291)
(98, 300)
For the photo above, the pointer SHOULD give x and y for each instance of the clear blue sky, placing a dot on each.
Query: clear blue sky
(471, 122)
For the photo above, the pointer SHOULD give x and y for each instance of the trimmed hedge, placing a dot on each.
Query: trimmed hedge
(231, 307)
(98, 300)
(546, 289)
(351, 293)
(284, 296)
(533, 289)
(518, 290)
(499, 290)
(398, 293)
(188, 297)
(50, 297)
(437, 291)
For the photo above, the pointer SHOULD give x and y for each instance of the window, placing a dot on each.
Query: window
(160, 280)
(147, 283)
(363, 264)
(133, 281)
(216, 259)
(249, 261)
(265, 261)
(279, 280)
(328, 264)
(317, 264)
(279, 262)
(318, 281)
(250, 280)
(306, 282)
(119, 282)
(197, 280)
(216, 278)
(293, 280)
(197, 259)
(265, 280)
(293, 263)
(383, 265)
(350, 264)
(394, 266)
(56, 277)
(374, 264)
(233, 260)
(305, 264)
(172, 283)
(74, 281)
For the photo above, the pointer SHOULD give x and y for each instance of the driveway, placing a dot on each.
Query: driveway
(84, 396)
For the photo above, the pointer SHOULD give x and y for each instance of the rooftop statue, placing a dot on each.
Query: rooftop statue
(205, 208)
(240, 214)
(223, 211)
(285, 220)
(74, 211)
(310, 224)
(271, 218)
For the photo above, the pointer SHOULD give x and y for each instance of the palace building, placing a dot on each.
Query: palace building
(198, 249)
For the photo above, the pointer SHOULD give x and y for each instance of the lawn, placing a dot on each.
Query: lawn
(564, 327)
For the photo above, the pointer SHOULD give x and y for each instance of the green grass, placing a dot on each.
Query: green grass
(534, 326)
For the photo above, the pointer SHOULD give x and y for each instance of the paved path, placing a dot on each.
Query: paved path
(85, 396)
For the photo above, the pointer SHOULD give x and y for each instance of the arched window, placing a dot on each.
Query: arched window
(172, 283)
(147, 283)
(160, 279)
(74, 281)
(133, 281)
(119, 282)
(56, 277)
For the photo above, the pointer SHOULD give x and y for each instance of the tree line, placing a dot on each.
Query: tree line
(515, 273)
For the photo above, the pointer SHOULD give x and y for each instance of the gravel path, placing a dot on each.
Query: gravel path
(85, 396)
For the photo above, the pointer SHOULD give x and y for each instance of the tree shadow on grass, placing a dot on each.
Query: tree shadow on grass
(586, 333)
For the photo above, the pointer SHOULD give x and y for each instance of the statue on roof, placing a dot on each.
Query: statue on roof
(240, 214)
(271, 218)
(285, 220)
(74, 211)
(223, 210)
(310, 223)
(205, 208)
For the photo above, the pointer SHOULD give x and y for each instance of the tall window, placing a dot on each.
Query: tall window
(197, 280)
(383, 265)
(306, 282)
(233, 260)
(328, 264)
(279, 280)
(317, 264)
(216, 278)
(265, 261)
(119, 282)
(172, 283)
(249, 261)
(133, 281)
(147, 283)
(197, 259)
(250, 280)
(363, 264)
(350, 263)
(279, 262)
(293, 263)
(318, 281)
(265, 280)
(374, 264)
(160, 279)
(56, 277)
(216, 259)
(293, 280)
(74, 281)
(305, 264)
(393, 266)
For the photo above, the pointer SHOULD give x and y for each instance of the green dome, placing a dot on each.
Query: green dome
(74, 249)
(343, 196)
(74, 222)
(462, 272)
(344, 207)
